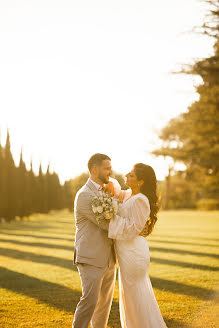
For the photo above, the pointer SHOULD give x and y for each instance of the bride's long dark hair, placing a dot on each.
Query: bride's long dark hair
(149, 189)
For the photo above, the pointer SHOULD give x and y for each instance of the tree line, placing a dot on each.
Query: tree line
(22, 192)
(193, 137)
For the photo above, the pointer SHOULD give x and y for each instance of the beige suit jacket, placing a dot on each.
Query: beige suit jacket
(92, 245)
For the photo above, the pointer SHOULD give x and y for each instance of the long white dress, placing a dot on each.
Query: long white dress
(137, 302)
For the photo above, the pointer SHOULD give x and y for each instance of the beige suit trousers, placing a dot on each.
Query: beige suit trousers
(97, 294)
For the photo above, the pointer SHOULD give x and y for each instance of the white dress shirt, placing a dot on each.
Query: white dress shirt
(99, 187)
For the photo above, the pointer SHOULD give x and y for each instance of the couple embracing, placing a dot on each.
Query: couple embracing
(98, 244)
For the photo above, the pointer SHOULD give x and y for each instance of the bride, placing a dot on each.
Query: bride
(136, 218)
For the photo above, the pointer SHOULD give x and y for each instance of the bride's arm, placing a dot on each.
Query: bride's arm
(131, 226)
(115, 189)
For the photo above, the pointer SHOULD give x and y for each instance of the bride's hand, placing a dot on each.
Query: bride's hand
(109, 188)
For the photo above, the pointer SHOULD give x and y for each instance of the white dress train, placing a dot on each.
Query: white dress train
(137, 302)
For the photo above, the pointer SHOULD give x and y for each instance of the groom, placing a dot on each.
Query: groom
(94, 252)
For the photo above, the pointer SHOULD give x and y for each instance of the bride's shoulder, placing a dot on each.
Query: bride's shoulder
(142, 197)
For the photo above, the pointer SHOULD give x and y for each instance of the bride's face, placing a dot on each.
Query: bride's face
(131, 179)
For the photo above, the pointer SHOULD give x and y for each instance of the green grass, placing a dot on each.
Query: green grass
(39, 286)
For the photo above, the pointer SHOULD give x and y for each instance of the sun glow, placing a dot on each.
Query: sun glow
(78, 78)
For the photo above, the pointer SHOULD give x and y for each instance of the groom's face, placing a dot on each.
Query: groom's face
(104, 171)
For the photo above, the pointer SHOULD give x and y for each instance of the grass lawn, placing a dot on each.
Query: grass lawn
(39, 286)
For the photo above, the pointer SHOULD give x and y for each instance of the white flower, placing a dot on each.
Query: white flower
(104, 207)
(99, 209)
(107, 215)
(94, 209)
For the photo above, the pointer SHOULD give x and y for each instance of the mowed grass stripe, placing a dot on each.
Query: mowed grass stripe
(38, 288)
(158, 283)
(50, 251)
(58, 244)
(37, 258)
(35, 288)
(31, 236)
(178, 243)
(42, 315)
(184, 264)
(67, 263)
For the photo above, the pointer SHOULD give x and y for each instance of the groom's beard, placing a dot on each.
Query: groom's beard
(103, 179)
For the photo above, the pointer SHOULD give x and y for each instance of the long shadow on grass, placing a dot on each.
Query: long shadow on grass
(60, 297)
(31, 226)
(30, 243)
(38, 236)
(181, 251)
(179, 288)
(158, 283)
(158, 249)
(181, 243)
(67, 264)
(72, 239)
(184, 264)
(50, 293)
(44, 259)
(39, 226)
(28, 256)
(188, 237)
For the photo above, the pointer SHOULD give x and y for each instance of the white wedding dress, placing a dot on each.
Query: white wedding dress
(137, 302)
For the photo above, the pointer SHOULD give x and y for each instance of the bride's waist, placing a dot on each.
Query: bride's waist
(136, 241)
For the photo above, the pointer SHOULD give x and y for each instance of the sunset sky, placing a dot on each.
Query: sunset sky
(86, 76)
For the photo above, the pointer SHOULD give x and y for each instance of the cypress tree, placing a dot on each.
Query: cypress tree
(50, 190)
(2, 172)
(21, 190)
(9, 182)
(56, 192)
(31, 191)
(41, 192)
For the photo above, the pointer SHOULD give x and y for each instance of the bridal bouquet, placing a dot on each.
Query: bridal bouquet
(104, 207)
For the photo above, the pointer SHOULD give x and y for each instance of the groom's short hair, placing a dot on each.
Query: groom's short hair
(97, 159)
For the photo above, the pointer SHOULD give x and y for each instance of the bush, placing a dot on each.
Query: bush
(208, 204)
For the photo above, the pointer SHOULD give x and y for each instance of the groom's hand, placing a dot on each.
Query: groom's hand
(109, 188)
